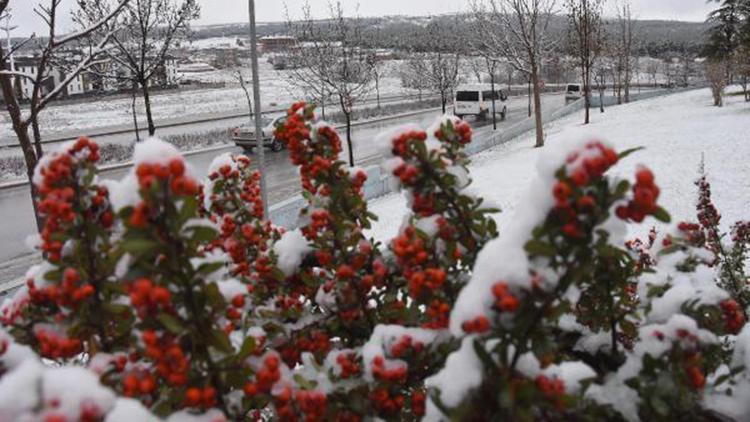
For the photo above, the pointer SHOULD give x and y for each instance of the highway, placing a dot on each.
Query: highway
(16, 214)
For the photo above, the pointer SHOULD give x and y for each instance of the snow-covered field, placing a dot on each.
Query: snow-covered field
(276, 89)
(676, 131)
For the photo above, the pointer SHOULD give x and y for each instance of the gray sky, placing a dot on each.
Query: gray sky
(226, 11)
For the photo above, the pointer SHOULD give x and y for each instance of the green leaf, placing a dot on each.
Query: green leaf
(248, 347)
(202, 234)
(214, 297)
(220, 341)
(171, 323)
(139, 246)
(188, 211)
(537, 247)
(304, 383)
(662, 215)
(115, 309)
(210, 268)
(483, 355)
(628, 152)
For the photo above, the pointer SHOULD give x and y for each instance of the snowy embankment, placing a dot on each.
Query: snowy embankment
(676, 132)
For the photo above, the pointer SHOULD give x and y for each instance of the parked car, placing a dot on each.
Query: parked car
(244, 136)
(573, 92)
(476, 100)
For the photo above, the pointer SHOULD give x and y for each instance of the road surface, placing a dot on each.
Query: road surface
(16, 213)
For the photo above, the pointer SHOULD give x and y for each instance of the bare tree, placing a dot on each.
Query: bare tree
(377, 66)
(441, 63)
(46, 87)
(716, 73)
(585, 24)
(412, 77)
(518, 31)
(742, 68)
(333, 56)
(142, 37)
(652, 69)
(625, 41)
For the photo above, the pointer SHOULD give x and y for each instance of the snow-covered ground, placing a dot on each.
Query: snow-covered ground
(276, 90)
(676, 131)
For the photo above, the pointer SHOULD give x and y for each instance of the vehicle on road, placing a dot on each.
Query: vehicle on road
(244, 136)
(573, 92)
(476, 100)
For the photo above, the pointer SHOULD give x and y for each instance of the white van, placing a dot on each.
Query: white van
(476, 100)
(573, 92)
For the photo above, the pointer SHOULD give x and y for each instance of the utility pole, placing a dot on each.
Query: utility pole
(259, 135)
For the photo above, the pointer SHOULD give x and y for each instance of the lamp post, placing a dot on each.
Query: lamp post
(259, 135)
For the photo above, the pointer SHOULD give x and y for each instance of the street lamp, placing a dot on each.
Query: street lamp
(259, 141)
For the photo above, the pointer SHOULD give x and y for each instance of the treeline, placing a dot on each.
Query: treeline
(657, 37)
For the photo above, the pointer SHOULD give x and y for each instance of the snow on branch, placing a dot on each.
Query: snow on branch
(86, 31)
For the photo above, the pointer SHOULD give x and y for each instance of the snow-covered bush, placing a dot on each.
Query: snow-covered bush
(161, 297)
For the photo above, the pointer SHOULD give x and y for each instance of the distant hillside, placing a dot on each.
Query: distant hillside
(655, 37)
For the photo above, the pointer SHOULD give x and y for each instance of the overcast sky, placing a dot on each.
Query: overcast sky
(226, 11)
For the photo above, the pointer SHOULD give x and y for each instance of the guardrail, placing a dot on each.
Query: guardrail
(198, 120)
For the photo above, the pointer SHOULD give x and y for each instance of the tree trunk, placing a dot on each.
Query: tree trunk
(494, 107)
(37, 137)
(444, 102)
(537, 107)
(135, 118)
(348, 116)
(377, 90)
(528, 93)
(147, 102)
(22, 133)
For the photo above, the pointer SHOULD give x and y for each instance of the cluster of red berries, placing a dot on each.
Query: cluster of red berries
(552, 389)
(408, 174)
(88, 412)
(136, 384)
(69, 294)
(58, 202)
(645, 195)
(401, 143)
(477, 325)
(692, 366)
(504, 300)
(461, 133)
(169, 359)
(591, 163)
(409, 248)
(429, 280)
(312, 404)
(265, 378)
(386, 402)
(200, 397)
(172, 173)
(423, 205)
(379, 371)
(418, 403)
(350, 368)
(55, 346)
(438, 315)
(406, 345)
(148, 297)
(708, 215)
(734, 318)
(316, 342)
(294, 134)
